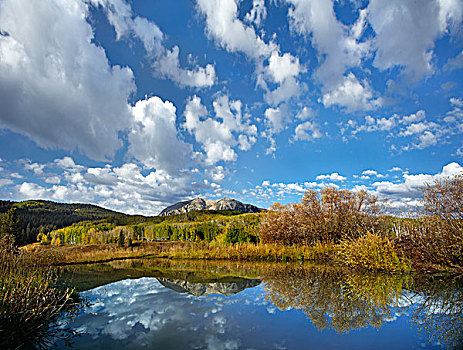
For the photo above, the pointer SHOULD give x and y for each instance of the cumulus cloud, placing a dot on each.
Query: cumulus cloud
(56, 86)
(120, 16)
(257, 14)
(218, 136)
(127, 188)
(277, 118)
(406, 32)
(417, 131)
(331, 177)
(223, 24)
(408, 190)
(166, 62)
(169, 66)
(339, 49)
(283, 67)
(352, 94)
(230, 32)
(153, 139)
(307, 131)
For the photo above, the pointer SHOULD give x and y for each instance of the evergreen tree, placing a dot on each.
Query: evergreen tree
(120, 241)
(10, 227)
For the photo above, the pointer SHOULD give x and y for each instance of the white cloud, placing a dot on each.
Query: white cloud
(455, 62)
(331, 177)
(165, 61)
(412, 129)
(126, 188)
(457, 102)
(305, 113)
(288, 89)
(68, 163)
(370, 172)
(414, 117)
(257, 14)
(283, 67)
(6, 182)
(419, 133)
(223, 24)
(277, 118)
(154, 139)
(169, 66)
(120, 16)
(338, 48)
(31, 190)
(219, 136)
(406, 32)
(48, 94)
(35, 167)
(307, 131)
(426, 140)
(408, 192)
(352, 94)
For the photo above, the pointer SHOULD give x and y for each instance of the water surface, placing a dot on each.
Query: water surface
(160, 304)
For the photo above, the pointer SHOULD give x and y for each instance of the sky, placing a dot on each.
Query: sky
(135, 105)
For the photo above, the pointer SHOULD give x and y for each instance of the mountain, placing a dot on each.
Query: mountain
(208, 204)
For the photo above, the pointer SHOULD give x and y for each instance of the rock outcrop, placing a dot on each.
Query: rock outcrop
(207, 204)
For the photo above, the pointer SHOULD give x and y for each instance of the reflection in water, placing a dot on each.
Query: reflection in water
(202, 289)
(334, 298)
(224, 306)
(439, 313)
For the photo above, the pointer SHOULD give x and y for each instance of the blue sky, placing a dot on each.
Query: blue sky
(134, 105)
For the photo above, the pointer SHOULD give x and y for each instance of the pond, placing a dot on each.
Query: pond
(161, 304)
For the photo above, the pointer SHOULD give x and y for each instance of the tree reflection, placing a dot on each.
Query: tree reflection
(334, 298)
(439, 312)
(343, 300)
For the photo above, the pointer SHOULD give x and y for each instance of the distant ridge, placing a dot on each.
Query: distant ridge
(208, 204)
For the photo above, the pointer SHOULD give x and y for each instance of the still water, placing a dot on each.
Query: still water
(160, 304)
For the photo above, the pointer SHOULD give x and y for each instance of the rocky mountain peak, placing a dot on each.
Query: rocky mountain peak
(209, 204)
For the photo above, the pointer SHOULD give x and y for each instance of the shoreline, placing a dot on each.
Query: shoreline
(177, 250)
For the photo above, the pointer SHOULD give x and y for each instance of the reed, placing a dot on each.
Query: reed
(31, 302)
(182, 250)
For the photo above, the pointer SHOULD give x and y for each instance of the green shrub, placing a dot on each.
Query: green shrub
(371, 252)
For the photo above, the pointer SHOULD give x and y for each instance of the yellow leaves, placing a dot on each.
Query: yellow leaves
(371, 252)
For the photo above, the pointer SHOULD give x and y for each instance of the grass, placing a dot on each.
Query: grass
(31, 302)
(51, 255)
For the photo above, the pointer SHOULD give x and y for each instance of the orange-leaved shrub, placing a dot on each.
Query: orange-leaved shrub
(437, 232)
(328, 215)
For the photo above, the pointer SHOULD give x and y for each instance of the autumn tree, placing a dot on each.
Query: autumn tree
(438, 230)
(328, 215)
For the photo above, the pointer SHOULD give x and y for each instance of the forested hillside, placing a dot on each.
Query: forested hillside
(39, 216)
(219, 226)
(45, 216)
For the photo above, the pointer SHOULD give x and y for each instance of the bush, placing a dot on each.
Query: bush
(330, 215)
(31, 302)
(437, 230)
(371, 252)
